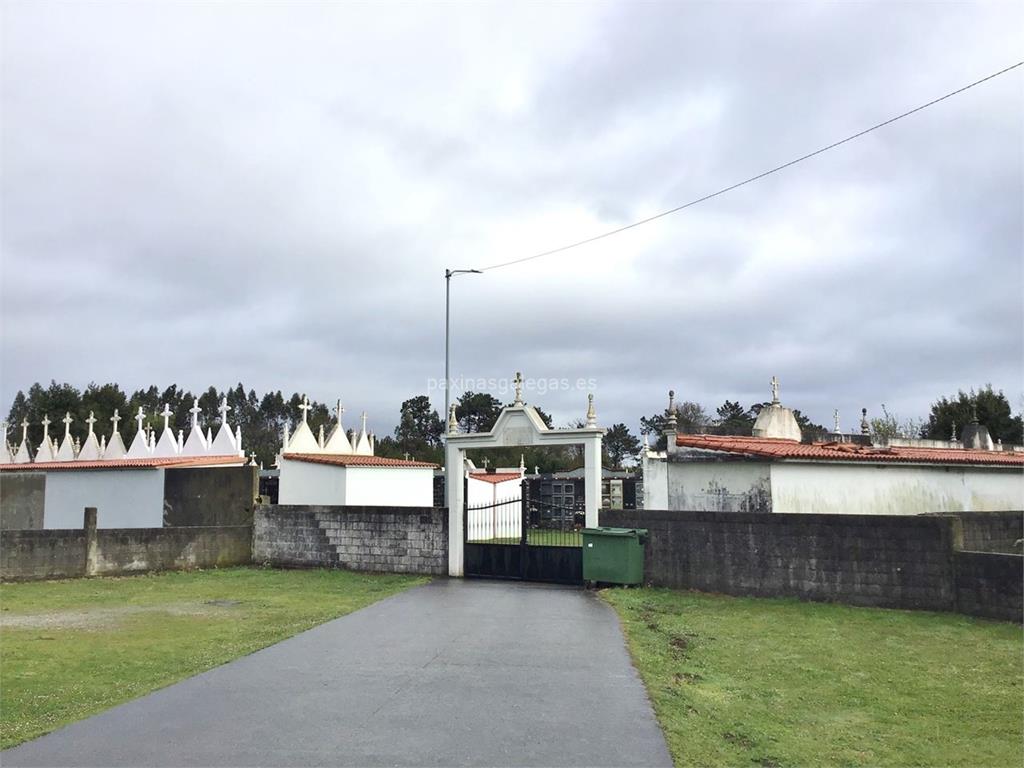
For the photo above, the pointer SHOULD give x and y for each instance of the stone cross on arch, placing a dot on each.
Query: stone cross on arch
(166, 415)
(195, 411)
(90, 421)
(304, 406)
(775, 390)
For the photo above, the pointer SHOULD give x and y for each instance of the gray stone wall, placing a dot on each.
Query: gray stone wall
(73, 553)
(32, 555)
(21, 500)
(391, 539)
(210, 495)
(992, 531)
(990, 584)
(891, 561)
(874, 560)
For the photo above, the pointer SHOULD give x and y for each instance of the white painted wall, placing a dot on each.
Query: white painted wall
(888, 489)
(482, 492)
(655, 471)
(718, 486)
(301, 482)
(124, 498)
(390, 486)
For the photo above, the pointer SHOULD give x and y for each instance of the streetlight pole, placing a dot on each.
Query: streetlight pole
(447, 328)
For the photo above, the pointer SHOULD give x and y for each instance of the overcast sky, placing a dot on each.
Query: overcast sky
(203, 193)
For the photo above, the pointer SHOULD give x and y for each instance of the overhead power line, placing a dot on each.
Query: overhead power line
(752, 179)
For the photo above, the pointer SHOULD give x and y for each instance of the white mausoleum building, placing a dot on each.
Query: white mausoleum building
(341, 469)
(126, 485)
(773, 471)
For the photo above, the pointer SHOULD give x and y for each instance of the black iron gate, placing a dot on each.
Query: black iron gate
(523, 539)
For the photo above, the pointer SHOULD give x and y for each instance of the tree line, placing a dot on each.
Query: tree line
(420, 428)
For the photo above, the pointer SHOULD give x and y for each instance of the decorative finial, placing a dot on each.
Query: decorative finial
(974, 412)
(195, 411)
(252, 459)
(304, 406)
(522, 463)
(647, 444)
(519, 389)
(90, 421)
(320, 436)
(670, 412)
(952, 433)
(775, 391)
(363, 419)
(453, 423)
(865, 427)
(591, 415)
(166, 415)
(835, 417)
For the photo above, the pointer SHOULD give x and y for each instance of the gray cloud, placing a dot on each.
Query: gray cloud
(212, 193)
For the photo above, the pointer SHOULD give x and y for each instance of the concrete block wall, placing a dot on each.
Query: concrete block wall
(34, 555)
(990, 584)
(871, 560)
(992, 531)
(88, 551)
(359, 538)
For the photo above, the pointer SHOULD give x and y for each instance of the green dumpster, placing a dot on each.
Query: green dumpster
(614, 555)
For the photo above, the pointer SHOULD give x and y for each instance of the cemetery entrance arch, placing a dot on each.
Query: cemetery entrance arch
(521, 554)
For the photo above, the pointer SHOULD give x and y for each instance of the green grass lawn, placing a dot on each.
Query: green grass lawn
(738, 681)
(543, 537)
(69, 649)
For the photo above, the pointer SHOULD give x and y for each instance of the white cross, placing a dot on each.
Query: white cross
(519, 389)
(166, 413)
(224, 408)
(46, 423)
(835, 415)
(67, 424)
(252, 457)
(90, 421)
(338, 410)
(24, 430)
(194, 410)
(304, 407)
(775, 390)
(363, 417)
(115, 418)
(140, 417)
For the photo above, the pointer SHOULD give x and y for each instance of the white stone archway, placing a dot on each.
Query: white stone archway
(517, 425)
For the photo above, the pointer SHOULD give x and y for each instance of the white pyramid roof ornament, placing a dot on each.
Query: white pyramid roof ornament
(45, 452)
(23, 456)
(115, 446)
(140, 443)
(303, 441)
(196, 444)
(167, 445)
(224, 443)
(90, 450)
(238, 440)
(66, 452)
(363, 447)
(337, 441)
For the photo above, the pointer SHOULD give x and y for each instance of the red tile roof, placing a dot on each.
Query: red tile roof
(352, 460)
(495, 477)
(153, 463)
(774, 448)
